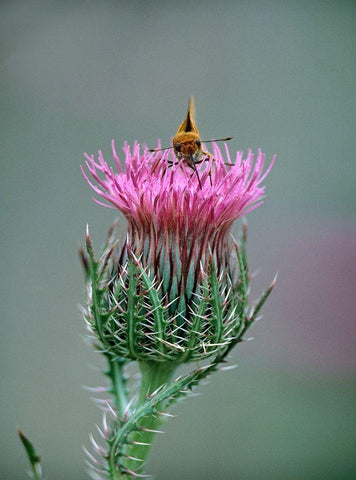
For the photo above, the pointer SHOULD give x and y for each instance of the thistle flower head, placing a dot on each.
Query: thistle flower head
(172, 290)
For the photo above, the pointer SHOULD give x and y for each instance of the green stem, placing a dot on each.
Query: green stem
(118, 380)
(153, 376)
(125, 432)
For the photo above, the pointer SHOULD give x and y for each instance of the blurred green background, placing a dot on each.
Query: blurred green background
(275, 74)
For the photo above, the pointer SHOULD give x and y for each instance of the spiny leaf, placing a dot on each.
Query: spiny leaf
(32, 456)
(198, 315)
(131, 314)
(243, 286)
(216, 303)
(157, 308)
(262, 300)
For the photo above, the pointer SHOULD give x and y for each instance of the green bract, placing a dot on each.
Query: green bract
(135, 317)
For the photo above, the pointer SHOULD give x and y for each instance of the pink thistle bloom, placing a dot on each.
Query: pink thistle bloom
(157, 198)
(175, 228)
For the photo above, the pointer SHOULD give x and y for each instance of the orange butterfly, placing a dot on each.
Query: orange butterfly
(187, 144)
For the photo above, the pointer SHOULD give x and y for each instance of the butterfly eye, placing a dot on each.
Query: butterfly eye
(177, 147)
(198, 142)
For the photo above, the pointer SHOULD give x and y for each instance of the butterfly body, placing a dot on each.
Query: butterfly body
(186, 142)
(187, 145)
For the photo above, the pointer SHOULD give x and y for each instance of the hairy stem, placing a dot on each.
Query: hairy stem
(118, 380)
(154, 375)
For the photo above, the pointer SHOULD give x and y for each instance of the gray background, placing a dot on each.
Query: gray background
(275, 74)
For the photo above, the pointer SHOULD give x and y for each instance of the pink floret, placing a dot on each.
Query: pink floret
(148, 189)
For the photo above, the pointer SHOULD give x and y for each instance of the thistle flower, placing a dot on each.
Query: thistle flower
(173, 291)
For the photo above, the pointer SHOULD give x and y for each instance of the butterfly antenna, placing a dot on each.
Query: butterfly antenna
(218, 140)
(159, 149)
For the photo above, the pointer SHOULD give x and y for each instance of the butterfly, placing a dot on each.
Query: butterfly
(187, 144)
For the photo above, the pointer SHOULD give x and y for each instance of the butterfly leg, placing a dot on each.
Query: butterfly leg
(207, 157)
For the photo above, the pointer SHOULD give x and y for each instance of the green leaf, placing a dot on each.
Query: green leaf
(243, 277)
(262, 300)
(193, 339)
(160, 324)
(131, 313)
(216, 306)
(32, 456)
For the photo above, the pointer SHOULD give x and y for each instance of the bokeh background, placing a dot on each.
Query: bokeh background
(275, 74)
